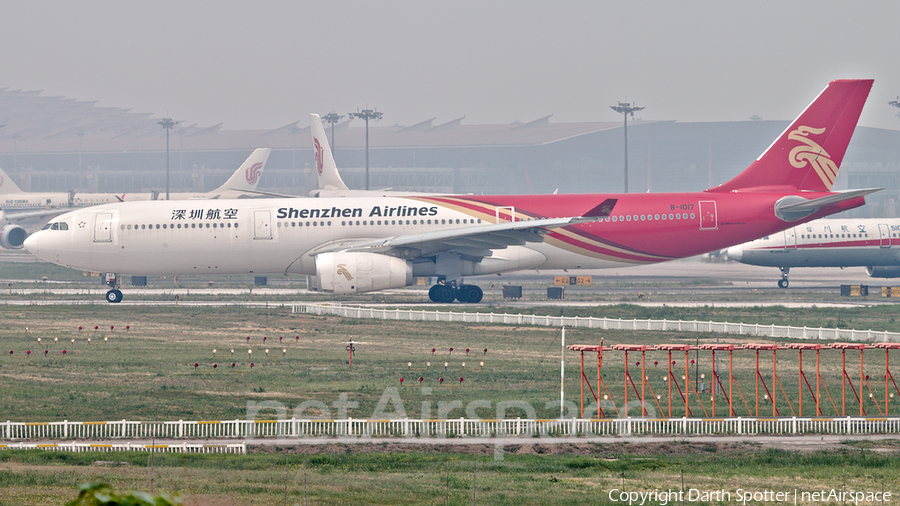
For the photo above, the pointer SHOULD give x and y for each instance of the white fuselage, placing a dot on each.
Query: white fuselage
(260, 236)
(826, 243)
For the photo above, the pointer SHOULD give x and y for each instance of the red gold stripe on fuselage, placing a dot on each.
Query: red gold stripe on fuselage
(574, 239)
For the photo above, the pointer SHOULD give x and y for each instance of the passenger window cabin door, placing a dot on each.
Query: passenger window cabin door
(262, 224)
(103, 227)
(885, 232)
(790, 238)
(708, 218)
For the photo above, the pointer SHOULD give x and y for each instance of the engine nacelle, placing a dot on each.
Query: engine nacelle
(12, 236)
(361, 272)
(883, 272)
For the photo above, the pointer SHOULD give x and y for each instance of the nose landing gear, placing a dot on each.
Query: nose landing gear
(783, 282)
(114, 295)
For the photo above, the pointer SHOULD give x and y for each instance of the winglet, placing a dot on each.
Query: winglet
(326, 170)
(602, 210)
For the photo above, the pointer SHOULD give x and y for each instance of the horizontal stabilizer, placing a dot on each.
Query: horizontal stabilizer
(793, 208)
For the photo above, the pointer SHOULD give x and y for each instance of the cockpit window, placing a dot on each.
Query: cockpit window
(59, 225)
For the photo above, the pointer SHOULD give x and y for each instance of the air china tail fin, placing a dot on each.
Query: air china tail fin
(326, 170)
(7, 185)
(247, 175)
(808, 154)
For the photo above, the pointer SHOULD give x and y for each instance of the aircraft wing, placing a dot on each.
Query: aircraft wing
(474, 242)
(265, 193)
(21, 215)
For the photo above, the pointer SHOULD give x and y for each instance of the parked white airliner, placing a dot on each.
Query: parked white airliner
(19, 205)
(873, 243)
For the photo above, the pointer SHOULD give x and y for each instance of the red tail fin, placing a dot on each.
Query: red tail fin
(808, 154)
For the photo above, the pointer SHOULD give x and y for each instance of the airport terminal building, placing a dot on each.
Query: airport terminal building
(56, 144)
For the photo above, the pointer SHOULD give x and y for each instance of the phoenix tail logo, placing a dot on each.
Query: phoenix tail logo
(342, 270)
(810, 152)
(319, 153)
(252, 173)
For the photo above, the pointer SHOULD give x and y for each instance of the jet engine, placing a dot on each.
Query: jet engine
(348, 272)
(883, 272)
(12, 236)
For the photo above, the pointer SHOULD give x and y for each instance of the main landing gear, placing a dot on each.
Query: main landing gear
(114, 295)
(445, 293)
(783, 282)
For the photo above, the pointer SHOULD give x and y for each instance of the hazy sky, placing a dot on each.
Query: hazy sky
(262, 65)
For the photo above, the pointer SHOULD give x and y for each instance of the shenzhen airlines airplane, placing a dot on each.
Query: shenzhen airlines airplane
(355, 245)
(19, 205)
(873, 243)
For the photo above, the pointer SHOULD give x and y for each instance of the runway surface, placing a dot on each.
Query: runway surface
(706, 283)
(799, 443)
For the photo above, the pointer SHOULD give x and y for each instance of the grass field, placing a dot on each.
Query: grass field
(147, 373)
(529, 474)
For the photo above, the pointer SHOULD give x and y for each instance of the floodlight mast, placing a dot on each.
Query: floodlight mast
(626, 108)
(332, 118)
(168, 124)
(80, 134)
(895, 103)
(294, 130)
(366, 114)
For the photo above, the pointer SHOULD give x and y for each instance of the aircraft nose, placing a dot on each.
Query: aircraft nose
(32, 243)
(735, 253)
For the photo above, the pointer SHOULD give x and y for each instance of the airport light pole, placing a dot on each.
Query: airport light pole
(15, 138)
(626, 108)
(168, 124)
(294, 129)
(332, 118)
(80, 134)
(895, 103)
(366, 114)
